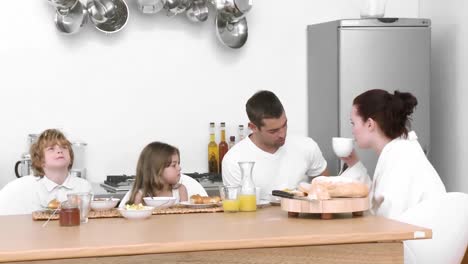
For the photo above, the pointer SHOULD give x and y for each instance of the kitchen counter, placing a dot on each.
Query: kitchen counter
(209, 237)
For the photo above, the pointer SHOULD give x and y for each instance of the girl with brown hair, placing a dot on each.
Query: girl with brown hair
(158, 174)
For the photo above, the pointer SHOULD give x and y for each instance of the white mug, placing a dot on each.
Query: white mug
(342, 146)
(258, 194)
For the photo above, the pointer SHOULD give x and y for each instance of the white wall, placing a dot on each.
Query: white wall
(449, 82)
(159, 79)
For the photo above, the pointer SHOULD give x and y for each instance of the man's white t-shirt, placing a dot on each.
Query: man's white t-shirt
(30, 193)
(298, 158)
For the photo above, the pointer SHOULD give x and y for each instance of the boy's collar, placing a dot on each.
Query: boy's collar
(50, 185)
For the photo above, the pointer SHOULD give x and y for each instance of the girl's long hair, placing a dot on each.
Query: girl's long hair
(154, 158)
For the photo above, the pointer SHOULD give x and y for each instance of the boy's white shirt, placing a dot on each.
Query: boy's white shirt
(30, 193)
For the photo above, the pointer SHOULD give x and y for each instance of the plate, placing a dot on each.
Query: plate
(48, 210)
(263, 202)
(198, 206)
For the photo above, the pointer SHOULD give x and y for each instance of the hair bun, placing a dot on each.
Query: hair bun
(408, 100)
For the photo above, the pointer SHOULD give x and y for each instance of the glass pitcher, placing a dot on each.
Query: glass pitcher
(247, 195)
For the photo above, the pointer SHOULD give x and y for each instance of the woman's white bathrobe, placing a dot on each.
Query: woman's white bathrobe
(403, 178)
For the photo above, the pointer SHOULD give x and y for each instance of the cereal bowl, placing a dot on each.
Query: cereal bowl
(160, 202)
(142, 212)
(101, 204)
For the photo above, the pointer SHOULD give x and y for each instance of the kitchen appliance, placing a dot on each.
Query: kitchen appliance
(348, 57)
(79, 165)
(23, 166)
(118, 183)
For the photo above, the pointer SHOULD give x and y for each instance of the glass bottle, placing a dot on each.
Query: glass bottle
(213, 153)
(223, 146)
(232, 141)
(241, 132)
(247, 196)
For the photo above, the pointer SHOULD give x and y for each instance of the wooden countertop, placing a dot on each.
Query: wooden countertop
(25, 239)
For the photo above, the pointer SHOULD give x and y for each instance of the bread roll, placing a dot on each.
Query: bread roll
(323, 188)
(196, 199)
(216, 199)
(53, 204)
(206, 199)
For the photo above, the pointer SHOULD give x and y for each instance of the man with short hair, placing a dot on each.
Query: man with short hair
(280, 162)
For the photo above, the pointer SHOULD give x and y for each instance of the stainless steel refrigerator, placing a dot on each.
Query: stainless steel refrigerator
(348, 57)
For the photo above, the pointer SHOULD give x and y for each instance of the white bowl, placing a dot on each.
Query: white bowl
(101, 204)
(342, 146)
(160, 202)
(143, 213)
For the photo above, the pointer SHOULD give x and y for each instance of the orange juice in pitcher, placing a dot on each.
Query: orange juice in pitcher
(247, 194)
(248, 203)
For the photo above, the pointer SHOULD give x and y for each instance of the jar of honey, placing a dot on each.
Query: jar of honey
(69, 214)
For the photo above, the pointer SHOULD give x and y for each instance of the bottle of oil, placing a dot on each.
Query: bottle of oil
(232, 141)
(223, 146)
(241, 132)
(213, 153)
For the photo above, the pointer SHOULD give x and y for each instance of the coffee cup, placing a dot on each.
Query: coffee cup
(342, 146)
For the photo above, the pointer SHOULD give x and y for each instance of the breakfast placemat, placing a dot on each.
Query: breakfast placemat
(44, 215)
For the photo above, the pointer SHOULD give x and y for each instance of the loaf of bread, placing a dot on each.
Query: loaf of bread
(323, 188)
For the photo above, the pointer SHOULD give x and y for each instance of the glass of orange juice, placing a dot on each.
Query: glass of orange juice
(230, 197)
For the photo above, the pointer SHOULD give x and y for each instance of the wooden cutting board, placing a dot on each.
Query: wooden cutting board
(325, 207)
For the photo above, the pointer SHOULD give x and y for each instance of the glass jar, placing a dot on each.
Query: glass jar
(69, 214)
(373, 8)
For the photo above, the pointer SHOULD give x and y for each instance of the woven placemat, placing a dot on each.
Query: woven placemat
(44, 215)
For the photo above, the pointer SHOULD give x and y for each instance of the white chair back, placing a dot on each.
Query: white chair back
(447, 216)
